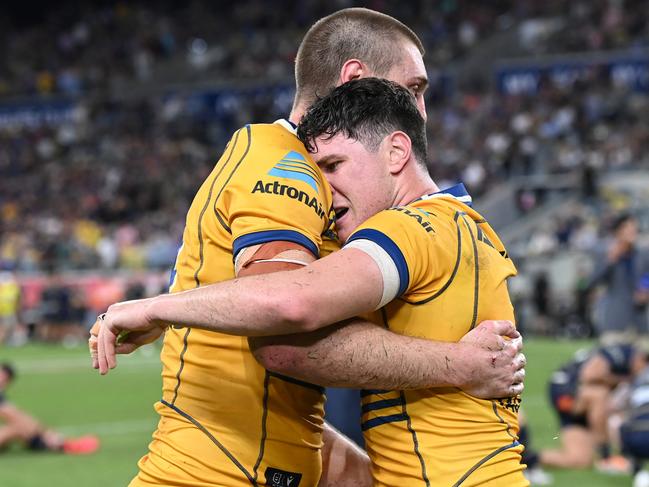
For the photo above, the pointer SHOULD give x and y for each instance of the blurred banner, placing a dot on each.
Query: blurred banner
(630, 73)
(37, 113)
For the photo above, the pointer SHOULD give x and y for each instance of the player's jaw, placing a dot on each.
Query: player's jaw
(360, 181)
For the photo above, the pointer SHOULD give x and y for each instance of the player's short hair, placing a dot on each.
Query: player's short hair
(352, 33)
(9, 370)
(366, 110)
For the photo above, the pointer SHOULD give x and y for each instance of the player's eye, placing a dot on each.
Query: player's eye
(332, 166)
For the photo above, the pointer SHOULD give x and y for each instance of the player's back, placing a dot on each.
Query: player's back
(455, 270)
(222, 413)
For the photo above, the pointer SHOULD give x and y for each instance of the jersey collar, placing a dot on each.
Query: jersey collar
(458, 192)
(288, 125)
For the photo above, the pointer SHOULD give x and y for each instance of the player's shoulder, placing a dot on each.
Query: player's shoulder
(275, 144)
(280, 132)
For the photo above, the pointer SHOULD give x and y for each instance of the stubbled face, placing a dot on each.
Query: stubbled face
(411, 74)
(360, 180)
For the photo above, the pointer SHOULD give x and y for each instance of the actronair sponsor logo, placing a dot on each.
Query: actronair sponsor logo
(417, 216)
(280, 189)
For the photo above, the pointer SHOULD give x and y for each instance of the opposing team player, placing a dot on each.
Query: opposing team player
(18, 426)
(579, 393)
(425, 261)
(225, 420)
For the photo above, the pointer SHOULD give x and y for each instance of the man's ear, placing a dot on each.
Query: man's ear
(399, 149)
(353, 69)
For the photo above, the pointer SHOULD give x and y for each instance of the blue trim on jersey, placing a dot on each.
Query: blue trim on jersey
(393, 418)
(369, 392)
(457, 191)
(266, 236)
(298, 382)
(383, 403)
(393, 251)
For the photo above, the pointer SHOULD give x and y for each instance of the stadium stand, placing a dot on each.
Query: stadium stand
(129, 98)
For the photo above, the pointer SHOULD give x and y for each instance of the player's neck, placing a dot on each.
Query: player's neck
(296, 115)
(414, 188)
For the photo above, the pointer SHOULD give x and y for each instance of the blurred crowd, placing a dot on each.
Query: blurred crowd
(597, 25)
(108, 188)
(588, 126)
(76, 51)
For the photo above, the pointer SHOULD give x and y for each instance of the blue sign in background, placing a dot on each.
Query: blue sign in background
(628, 73)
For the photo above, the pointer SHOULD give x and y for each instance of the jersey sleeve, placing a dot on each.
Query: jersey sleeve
(277, 193)
(400, 244)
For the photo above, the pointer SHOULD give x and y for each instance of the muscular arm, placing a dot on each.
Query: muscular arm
(338, 287)
(485, 364)
(360, 354)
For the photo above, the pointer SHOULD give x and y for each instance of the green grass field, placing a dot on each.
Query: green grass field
(58, 386)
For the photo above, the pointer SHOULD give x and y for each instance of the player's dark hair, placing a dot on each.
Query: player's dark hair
(366, 110)
(9, 370)
(372, 37)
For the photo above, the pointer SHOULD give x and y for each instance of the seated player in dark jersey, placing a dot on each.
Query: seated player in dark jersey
(18, 426)
(629, 424)
(579, 393)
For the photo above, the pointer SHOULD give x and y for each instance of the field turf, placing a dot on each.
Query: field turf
(58, 386)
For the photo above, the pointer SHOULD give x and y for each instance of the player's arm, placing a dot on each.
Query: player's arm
(359, 354)
(338, 287)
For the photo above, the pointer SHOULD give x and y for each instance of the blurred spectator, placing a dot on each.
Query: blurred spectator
(9, 305)
(623, 270)
(61, 313)
(542, 299)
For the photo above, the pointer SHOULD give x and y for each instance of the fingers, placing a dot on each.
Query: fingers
(520, 361)
(505, 328)
(516, 389)
(92, 347)
(92, 340)
(132, 341)
(106, 349)
(512, 348)
(519, 376)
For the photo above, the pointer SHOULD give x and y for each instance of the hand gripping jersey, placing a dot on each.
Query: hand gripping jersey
(225, 420)
(447, 270)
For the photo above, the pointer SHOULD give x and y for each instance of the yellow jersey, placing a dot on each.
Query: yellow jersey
(449, 272)
(225, 420)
